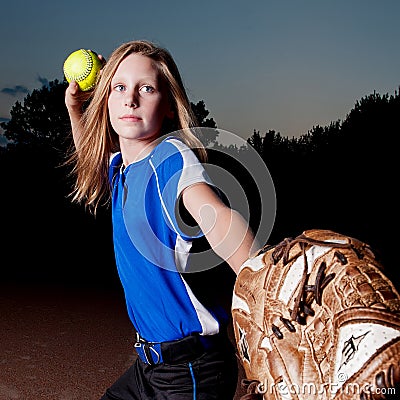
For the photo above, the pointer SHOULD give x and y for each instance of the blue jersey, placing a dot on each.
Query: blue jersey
(152, 248)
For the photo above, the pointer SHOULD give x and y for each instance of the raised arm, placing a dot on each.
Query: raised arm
(74, 100)
(225, 229)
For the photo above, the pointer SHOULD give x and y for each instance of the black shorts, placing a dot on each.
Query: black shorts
(211, 376)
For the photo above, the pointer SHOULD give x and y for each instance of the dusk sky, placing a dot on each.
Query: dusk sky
(281, 65)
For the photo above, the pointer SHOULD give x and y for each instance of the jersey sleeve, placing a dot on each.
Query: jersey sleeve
(175, 168)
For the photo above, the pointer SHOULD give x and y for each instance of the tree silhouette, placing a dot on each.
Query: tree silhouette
(341, 177)
(42, 119)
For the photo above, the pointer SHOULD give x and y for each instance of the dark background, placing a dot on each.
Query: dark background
(65, 330)
(341, 177)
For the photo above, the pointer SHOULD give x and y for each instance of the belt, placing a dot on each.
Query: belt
(176, 351)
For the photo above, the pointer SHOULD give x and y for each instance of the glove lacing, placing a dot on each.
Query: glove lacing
(306, 293)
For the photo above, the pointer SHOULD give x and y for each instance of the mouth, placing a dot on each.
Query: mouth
(130, 118)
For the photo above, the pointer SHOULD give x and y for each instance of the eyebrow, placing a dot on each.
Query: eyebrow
(155, 79)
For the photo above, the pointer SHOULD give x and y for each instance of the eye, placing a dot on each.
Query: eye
(147, 89)
(119, 87)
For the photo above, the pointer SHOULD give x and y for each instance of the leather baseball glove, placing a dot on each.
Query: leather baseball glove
(315, 317)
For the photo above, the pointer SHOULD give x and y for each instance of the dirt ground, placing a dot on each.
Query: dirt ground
(62, 343)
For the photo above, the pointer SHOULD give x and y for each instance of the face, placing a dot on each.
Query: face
(138, 101)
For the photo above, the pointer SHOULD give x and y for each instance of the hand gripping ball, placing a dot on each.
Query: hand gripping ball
(82, 66)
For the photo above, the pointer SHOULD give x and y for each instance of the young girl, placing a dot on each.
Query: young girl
(125, 151)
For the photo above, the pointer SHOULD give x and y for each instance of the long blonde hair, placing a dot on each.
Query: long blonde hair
(98, 140)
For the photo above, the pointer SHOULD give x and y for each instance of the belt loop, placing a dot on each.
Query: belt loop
(149, 352)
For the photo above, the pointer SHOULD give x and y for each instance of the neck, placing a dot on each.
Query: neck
(135, 150)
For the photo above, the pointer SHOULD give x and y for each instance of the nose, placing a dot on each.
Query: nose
(131, 101)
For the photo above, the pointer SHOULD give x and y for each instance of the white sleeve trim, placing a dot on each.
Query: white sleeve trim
(208, 323)
(162, 200)
(193, 171)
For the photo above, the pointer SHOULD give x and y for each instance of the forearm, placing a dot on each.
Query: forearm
(229, 235)
(76, 128)
(74, 100)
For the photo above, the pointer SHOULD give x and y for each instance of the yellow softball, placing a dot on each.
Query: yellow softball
(82, 66)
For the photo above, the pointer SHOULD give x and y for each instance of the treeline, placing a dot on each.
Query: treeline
(341, 177)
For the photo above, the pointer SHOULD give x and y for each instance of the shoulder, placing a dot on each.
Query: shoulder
(115, 159)
(114, 165)
(172, 149)
(170, 144)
